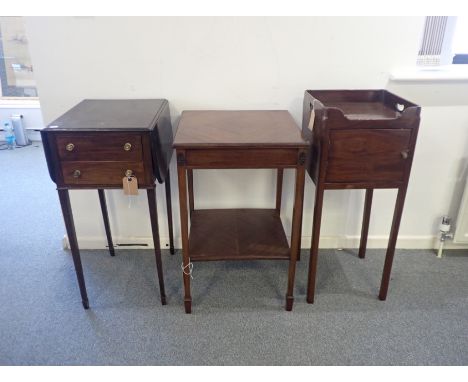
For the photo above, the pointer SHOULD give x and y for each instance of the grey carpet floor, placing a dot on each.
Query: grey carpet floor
(238, 316)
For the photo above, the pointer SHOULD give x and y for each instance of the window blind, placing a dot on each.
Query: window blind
(432, 41)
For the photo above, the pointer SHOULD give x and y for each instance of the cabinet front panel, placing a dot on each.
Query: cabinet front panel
(368, 155)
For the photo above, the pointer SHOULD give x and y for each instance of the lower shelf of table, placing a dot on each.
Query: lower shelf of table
(237, 234)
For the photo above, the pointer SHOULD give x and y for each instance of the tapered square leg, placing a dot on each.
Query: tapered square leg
(392, 243)
(105, 216)
(295, 233)
(70, 227)
(151, 193)
(365, 222)
(314, 248)
(279, 189)
(190, 190)
(182, 179)
(167, 184)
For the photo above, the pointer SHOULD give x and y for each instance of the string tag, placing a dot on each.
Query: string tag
(188, 269)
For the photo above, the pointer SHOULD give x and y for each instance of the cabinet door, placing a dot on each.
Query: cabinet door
(368, 155)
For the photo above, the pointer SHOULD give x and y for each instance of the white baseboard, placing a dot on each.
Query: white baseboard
(404, 242)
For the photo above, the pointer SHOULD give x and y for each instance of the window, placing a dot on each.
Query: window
(444, 41)
(460, 41)
(16, 70)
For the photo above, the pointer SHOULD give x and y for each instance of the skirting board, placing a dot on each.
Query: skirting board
(404, 242)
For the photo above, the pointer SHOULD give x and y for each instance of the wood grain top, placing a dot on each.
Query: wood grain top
(257, 128)
(107, 114)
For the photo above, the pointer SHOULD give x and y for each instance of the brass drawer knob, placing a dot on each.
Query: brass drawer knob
(128, 173)
(127, 146)
(76, 173)
(70, 147)
(404, 154)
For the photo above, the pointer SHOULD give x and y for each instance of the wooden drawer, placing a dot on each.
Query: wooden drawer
(368, 155)
(99, 146)
(242, 158)
(100, 173)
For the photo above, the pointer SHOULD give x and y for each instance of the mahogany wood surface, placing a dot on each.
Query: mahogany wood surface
(360, 155)
(105, 216)
(358, 139)
(365, 222)
(190, 191)
(296, 231)
(99, 130)
(167, 185)
(64, 198)
(110, 115)
(92, 146)
(255, 157)
(102, 173)
(238, 139)
(153, 210)
(220, 128)
(184, 231)
(237, 234)
(279, 189)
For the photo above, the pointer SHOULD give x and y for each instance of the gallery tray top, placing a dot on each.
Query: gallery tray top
(364, 105)
(110, 115)
(258, 128)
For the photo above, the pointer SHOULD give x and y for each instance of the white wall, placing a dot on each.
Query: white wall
(250, 63)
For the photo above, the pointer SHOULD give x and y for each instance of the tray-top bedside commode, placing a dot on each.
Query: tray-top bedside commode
(359, 139)
(238, 139)
(98, 143)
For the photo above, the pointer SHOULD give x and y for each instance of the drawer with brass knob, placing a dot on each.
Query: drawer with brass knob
(91, 146)
(93, 172)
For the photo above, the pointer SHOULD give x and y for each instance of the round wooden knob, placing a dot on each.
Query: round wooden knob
(76, 173)
(70, 147)
(127, 146)
(404, 154)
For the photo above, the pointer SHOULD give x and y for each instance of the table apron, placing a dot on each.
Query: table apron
(240, 158)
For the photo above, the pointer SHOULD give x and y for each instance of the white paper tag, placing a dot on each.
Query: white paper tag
(312, 119)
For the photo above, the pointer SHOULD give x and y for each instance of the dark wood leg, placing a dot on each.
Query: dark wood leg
(279, 189)
(400, 201)
(153, 209)
(167, 184)
(365, 222)
(184, 233)
(319, 191)
(190, 190)
(70, 227)
(105, 216)
(295, 234)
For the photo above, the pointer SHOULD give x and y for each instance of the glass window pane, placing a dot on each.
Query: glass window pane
(460, 38)
(16, 70)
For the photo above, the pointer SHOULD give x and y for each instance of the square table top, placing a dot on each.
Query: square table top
(250, 128)
(110, 115)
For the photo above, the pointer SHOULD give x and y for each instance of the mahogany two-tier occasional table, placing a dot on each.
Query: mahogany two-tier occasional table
(238, 140)
(99, 143)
